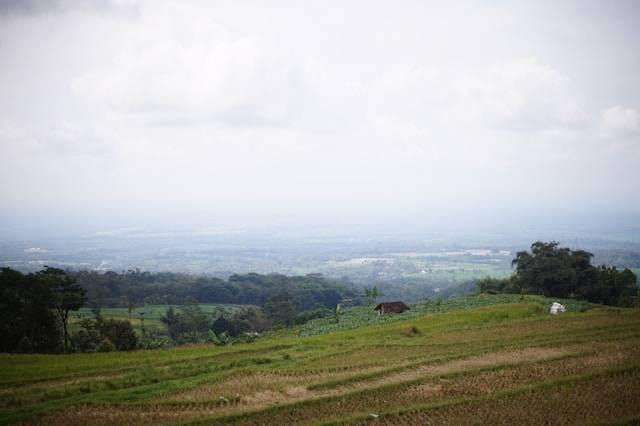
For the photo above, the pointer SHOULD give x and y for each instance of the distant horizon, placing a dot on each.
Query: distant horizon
(394, 224)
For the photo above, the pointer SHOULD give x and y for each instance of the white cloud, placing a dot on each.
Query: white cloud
(36, 7)
(619, 121)
(524, 94)
(182, 67)
(233, 101)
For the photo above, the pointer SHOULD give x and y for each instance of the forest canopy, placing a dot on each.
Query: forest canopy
(555, 271)
(133, 287)
(35, 308)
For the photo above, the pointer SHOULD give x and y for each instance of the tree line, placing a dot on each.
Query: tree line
(555, 271)
(35, 308)
(134, 287)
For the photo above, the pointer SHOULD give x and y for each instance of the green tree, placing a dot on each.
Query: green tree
(194, 323)
(141, 317)
(27, 320)
(553, 271)
(92, 333)
(224, 325)
(172, 321)
(119, 332)
(253, 319)
(281, 309)
(612, 287)
(560, 272)
(96, 309)
(106, 346)
(67, 296)
(504, 285)
(88, 337)
(371, 294)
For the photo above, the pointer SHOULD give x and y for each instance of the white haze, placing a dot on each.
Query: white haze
(319, 114)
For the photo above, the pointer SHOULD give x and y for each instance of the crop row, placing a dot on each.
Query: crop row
(362, 316)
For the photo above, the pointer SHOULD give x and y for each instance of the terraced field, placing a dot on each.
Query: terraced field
(364, 315)
(498, 364)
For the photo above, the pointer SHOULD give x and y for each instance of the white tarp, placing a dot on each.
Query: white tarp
(557, 308)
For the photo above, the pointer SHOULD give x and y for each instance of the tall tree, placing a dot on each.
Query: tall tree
(67, 296)
(194, 323)
(27, 322)
(552, 270)
(172, 320)
(612, 287)
(561, 272)
(371, 294)
(281, 309)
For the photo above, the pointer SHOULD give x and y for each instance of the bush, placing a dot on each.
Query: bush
(94, 333)
(494, 285)
(120, 333)
(221, 339)
(317, 312)
(85, 340)
(106, 346)
(154, 340)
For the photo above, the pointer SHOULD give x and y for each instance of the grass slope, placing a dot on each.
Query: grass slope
(498, 363)
(360, 316)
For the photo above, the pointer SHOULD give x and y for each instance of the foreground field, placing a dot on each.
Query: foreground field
(505, 364)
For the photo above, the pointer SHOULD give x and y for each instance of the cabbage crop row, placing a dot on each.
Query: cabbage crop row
(362, 316)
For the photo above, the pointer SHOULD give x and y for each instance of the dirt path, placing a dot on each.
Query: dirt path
(471, 363)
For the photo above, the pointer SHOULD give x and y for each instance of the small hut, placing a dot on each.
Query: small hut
(391, 308)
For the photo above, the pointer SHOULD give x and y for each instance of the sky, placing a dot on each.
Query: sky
(177, 113)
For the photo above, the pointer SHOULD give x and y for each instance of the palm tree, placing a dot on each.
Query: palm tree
(371, 293)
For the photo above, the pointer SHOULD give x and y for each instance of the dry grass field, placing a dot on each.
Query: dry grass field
(500, 364)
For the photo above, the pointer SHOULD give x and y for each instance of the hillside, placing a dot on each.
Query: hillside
(351, 318)
(501, 363)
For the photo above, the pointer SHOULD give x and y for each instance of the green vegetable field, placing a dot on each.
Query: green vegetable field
(487, 359)
(360, 316)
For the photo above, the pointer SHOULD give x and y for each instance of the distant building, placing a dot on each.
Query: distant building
(391, 308)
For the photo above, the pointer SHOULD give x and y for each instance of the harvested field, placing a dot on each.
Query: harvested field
(484, 365)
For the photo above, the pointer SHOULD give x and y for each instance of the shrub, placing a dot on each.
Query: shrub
(85, 340)
(120, 333)
(221, 339)
(94, 332)
(154, 340)
(106, 346)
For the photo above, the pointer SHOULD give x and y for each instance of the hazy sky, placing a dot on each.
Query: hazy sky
(118, 113)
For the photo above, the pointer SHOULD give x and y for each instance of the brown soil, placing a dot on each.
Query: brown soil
(266, 389)
(475, 362)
